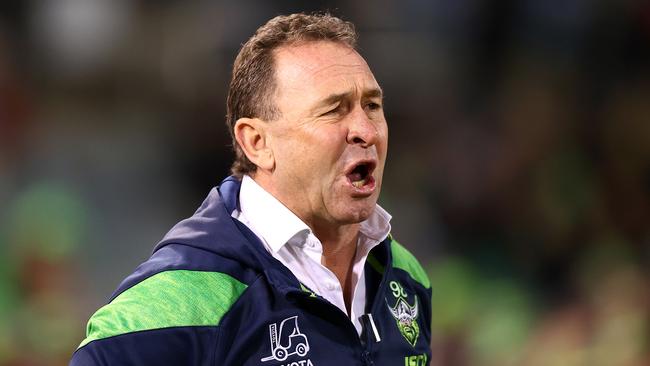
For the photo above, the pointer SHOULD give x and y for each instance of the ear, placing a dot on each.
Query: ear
(251, 135)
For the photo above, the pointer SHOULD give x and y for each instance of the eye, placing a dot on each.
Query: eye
(334, 110)
(373, 106)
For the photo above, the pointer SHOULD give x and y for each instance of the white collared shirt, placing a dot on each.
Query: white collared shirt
(291, 241)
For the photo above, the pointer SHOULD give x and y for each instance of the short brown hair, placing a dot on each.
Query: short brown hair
(253, 74)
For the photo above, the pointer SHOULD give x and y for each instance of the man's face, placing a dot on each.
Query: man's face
(330, 141)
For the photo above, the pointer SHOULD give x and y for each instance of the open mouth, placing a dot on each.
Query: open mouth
(360, 175)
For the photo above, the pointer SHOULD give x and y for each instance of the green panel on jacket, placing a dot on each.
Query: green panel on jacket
(168, 299)
(403, 259)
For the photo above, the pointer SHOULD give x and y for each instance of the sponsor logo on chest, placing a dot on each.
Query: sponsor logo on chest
(287, 340)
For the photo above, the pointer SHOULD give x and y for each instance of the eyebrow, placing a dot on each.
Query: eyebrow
(333, 98)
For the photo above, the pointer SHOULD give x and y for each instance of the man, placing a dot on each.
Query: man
(290, 260)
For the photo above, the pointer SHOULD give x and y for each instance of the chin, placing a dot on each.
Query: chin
(358, 215)
(347, 210)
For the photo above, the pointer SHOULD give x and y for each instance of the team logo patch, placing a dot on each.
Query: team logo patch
(286, 340)
(405, 315)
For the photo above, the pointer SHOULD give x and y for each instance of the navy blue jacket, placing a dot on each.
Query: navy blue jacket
(211, 294)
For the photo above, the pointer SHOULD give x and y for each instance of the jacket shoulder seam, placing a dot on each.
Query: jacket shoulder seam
(403, 259)
(186, 298)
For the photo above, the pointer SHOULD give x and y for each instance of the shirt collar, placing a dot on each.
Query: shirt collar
(377, 226)
(278, 225)
(269, 217)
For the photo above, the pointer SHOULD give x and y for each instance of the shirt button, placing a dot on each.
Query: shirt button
(331, 286)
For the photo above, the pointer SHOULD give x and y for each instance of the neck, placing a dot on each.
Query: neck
(339, 243)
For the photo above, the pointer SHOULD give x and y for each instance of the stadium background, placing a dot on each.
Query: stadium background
(518, 172)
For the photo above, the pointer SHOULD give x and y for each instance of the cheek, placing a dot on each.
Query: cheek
(382, 132)
(315, 152)
(328, 146)
(311, 154)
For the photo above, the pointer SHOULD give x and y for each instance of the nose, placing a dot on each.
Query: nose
(362, 130)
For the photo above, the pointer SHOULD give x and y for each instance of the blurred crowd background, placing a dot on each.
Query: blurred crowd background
(518, 171)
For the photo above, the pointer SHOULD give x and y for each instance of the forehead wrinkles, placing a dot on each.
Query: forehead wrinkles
(309, 68)
(335, 70)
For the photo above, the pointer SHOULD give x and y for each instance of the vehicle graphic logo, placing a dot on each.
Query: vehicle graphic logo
(405, 314)
(287, 340)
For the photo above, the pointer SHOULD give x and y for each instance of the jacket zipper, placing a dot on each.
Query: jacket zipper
(372, 335)
(365, 351)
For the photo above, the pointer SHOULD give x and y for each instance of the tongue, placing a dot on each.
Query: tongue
(354, 177)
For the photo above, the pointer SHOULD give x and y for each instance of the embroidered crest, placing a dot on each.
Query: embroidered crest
(405, 314)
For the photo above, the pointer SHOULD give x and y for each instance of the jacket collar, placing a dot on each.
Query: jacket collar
(213, 229)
